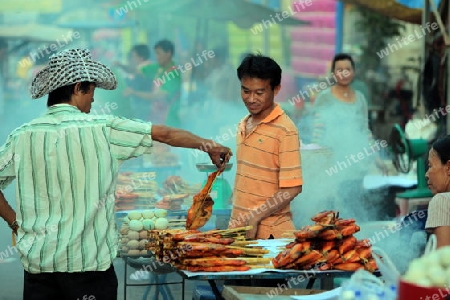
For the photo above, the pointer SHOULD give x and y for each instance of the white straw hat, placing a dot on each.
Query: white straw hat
(69, 67)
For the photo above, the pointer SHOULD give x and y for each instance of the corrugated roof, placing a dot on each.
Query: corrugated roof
(391, 8)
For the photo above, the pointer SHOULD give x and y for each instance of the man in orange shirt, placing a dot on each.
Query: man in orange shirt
(269, 174)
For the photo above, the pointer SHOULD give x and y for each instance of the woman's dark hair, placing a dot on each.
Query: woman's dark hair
(262, 67)
(64, 93)
(342, 56)
(141, 50)
(166, 46)
(442, 148)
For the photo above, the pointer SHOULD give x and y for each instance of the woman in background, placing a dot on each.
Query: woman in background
(438, 177)
(341, 124)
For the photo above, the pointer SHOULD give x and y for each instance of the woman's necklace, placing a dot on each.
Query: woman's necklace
(344, 94)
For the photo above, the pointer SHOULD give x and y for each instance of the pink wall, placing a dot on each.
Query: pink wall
(313, 45)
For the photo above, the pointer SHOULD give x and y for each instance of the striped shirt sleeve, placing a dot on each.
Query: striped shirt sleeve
(438, 212)
(129, 138)
(290, 161)
(7, 159)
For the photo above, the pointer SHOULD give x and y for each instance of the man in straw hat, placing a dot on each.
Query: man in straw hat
(66, 163)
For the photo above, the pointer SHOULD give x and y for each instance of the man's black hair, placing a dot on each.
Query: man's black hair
(142, 51)
(342, 56)
(262, 67)
(166, 46)
(64, 93)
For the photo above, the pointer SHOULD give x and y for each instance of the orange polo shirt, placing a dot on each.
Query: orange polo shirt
(267, 159)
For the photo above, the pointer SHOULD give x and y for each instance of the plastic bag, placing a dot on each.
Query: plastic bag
(388, 270)
(431, 244)
(362, 283)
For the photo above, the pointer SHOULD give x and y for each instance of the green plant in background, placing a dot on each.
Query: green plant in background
(378, 31)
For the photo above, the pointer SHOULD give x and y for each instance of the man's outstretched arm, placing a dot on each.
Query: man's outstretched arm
(181, 138)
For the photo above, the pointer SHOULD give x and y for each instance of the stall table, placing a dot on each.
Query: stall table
(326, 277)
(158, 276)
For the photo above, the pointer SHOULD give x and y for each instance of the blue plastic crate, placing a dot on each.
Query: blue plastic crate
(204, 292)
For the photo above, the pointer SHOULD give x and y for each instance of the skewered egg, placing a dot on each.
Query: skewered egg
(148, 224)
(161, 223)
(134, 215)
(136, 225)
(161, 213)
(148, 214)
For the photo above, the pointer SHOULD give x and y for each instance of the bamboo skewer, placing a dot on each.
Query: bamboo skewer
(251, 260)
(261, 266)
(250, 251)
(243, 243)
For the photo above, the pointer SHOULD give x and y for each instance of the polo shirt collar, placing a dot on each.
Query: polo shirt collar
(275, 113)
(62, 108)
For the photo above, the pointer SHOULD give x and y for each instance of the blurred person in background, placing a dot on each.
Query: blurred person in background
(199, 90)
(222, 101)
(221, 82)
(139, 58)
(66, 163)
(438, 177)
(341, 124)
(269, 174)
(165, 83)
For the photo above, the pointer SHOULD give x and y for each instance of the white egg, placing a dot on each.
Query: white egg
(416, 264)
(161, 223)
(431, 260)
(136, 225)
(413, 275)
(134, 215)
(161, 213)
(126, 220)
(148, 224)
(148, 214)
(447, 277)
(425, 282)
(437, 276)
(444, 254)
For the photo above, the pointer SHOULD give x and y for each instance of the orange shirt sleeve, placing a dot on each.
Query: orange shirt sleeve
(290, 161)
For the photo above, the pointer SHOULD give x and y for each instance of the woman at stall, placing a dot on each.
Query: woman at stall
(341, 124)
(438, 177)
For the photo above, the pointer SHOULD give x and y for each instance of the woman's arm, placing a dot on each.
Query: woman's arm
(442, 235)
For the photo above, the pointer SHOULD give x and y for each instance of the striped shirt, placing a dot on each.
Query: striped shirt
(66, 163)
(438, 211)
(267, 159)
